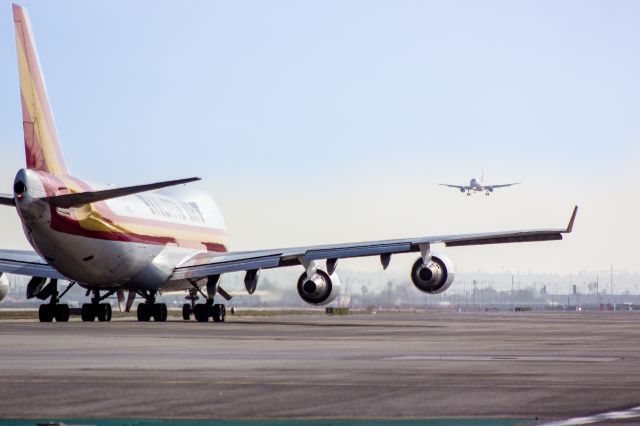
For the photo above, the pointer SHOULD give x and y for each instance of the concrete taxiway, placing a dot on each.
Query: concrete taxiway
(414, 365)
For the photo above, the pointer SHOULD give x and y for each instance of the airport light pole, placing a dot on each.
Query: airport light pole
(611, 283)
(511, 293)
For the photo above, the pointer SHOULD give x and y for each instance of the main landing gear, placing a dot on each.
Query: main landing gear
(55, 310)
(203, 311)
(150, 309)
(217, 311)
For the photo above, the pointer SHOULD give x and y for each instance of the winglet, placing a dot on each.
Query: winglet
(573, 219)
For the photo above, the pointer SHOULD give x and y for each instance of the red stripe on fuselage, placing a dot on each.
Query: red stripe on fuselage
(69, 225)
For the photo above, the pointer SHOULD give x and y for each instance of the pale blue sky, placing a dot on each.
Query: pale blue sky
(327, 121)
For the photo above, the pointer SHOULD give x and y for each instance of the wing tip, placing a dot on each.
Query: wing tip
(572, 220)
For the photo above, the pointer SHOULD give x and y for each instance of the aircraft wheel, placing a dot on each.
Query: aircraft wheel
(186, 311)
(159, 312)
(62, 313)
(88, 312)
(144, 312)
(46, 312)
(201, 312)
(219, 312)
(104, 312)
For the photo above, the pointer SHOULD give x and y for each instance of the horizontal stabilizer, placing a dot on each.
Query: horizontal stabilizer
(81, 198)
(7, 200)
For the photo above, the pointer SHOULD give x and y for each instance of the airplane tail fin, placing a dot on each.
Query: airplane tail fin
(40, 138)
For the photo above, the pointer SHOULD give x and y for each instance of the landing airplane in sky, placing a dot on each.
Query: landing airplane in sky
(476, 185)
(132, 241)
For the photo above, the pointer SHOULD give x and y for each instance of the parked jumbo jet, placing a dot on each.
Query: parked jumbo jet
(476, 185)
(132, 241)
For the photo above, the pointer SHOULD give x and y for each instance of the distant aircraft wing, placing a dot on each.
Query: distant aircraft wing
(29, 263)
(502, 185)
(209, 263)
(460, 187)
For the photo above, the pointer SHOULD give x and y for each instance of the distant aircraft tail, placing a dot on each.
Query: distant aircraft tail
(40, 138)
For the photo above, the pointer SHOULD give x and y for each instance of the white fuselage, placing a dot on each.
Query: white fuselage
(129, 242)
(476, 185)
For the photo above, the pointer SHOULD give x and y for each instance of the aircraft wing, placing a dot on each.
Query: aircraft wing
(460, 187)
(21, 262)
(209, 263)
(502, 185)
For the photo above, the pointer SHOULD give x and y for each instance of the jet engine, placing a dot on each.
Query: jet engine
(320, 289)
(4, 286)
(489, 188)
(462, 189)
(435, 277)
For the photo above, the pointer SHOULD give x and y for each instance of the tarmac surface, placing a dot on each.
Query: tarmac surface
(392, 365)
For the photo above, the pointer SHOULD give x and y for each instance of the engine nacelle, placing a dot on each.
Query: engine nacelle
(4, 286)
(434, 278)
(462, 189)
(321, 289)
(489, 188)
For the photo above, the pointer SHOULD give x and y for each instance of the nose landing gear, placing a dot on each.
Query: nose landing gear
(95, 309)
(189, 308)
(203, 311)
(91, 311)
(150, 309)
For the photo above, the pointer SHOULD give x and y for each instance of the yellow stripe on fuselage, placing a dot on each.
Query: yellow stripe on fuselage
(90, 219)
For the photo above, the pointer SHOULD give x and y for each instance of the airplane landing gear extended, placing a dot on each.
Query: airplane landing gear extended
(95, 309)
(202, 311)
(54, 309)
(217, 311)
(189, 308)
(150, 309)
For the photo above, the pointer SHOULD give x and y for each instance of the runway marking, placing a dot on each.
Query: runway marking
(141, 381)
(597, 418)
(501, 358)
(268, 422)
